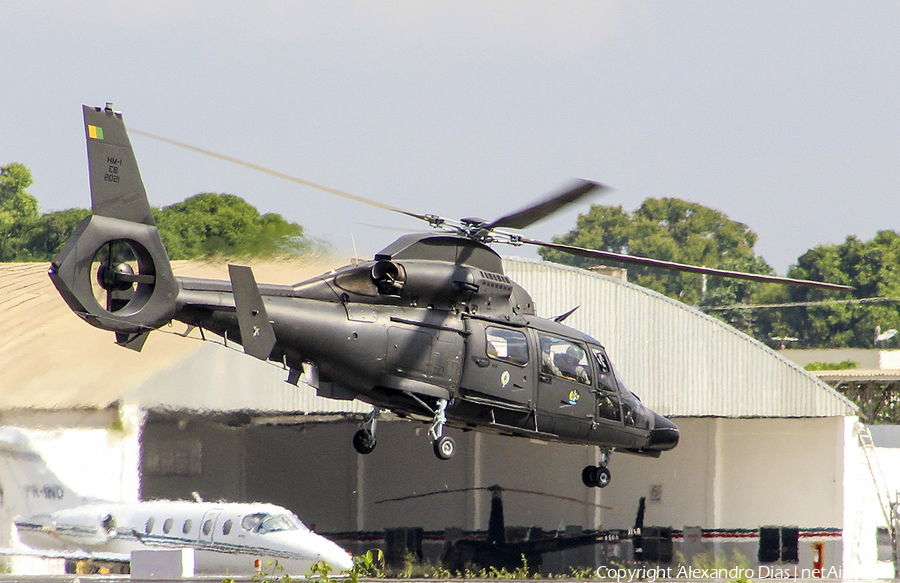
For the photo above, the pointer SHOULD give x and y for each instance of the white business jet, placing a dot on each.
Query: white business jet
(227, 538)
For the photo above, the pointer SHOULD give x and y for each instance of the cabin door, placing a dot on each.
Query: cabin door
(497, 365)
(208, 525)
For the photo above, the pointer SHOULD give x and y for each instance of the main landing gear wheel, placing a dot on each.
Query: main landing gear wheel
(596, 476)
(444, 448)
(364, 441)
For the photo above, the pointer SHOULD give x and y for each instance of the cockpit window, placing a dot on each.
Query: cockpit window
(276, 523)
(602, 364)
(262, 523)
(564, 358)
(251, 521)
(506, 345)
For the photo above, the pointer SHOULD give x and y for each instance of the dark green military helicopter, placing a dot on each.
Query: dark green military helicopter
(430, 328)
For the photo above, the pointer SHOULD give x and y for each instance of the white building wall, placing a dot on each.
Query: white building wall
(737, 473)
(863, 513)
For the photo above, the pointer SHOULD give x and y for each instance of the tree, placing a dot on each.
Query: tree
(16, 205)
(670, 229)
(872, 267)
(223, 224)
(18, 209)
(203, 225)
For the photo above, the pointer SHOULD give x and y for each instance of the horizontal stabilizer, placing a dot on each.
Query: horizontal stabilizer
(257, 334)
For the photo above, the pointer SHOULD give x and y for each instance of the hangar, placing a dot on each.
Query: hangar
(764, 444)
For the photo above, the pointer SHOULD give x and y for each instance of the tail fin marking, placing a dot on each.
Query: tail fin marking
(117, 190)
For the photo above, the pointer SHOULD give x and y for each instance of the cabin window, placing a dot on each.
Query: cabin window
(564, 358)
(226, 528)
(148, 528)
(188, 524)
(506, 345)
(167, 525)
(207, 527)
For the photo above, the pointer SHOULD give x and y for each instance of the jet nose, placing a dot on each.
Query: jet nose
(664, 436)
(336, 557)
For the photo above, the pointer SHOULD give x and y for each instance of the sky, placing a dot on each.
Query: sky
(783, 115)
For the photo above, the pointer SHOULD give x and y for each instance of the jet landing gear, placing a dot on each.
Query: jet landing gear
(444, 446)
(597, 476)
(364, 440)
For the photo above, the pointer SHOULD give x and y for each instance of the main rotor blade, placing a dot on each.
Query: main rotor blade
(475, 488)
(618, 257)
(546, 207)
(278, 174)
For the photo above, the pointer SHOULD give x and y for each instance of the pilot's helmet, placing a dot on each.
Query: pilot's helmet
(574, 353)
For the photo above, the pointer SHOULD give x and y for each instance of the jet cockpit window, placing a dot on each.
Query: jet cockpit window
(263, 523)
(251, 521)
(278, 522)
(506, 345)
(564, 358)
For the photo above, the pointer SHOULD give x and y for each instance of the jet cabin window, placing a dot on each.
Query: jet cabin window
(563, 358)
(506, 345)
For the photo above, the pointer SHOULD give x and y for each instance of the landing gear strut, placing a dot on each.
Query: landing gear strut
(364, 440)
(597, 476)
(444, 446)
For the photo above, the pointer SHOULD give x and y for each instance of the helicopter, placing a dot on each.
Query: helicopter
(430, 328)
(496, 550)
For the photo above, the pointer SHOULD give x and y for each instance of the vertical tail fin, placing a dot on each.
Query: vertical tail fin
(117, 253)
(117, 190)
(28, 485)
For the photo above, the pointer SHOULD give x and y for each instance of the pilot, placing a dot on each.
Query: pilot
(547, 364)
(570, 365)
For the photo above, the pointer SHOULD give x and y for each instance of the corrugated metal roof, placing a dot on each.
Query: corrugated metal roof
(680, 361)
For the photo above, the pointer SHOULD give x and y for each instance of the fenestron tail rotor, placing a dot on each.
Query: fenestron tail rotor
(114, 270)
